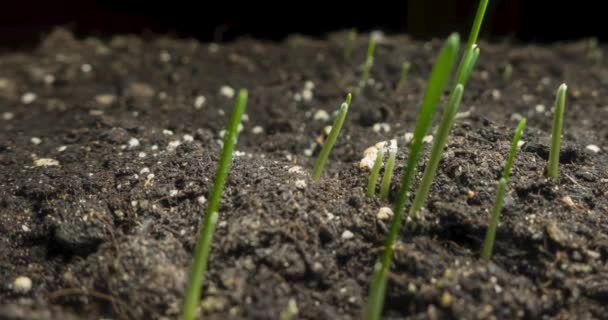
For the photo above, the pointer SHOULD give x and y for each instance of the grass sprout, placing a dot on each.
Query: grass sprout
(441, 137)
(331, 140)
(369, 63)
(205, 236)
(351, 37)
(556, 134)
(488, 243)
(388, 170)
(438, 79)
(405, 70)
(373, 176)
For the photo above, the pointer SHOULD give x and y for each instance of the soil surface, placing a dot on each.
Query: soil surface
(108, 150)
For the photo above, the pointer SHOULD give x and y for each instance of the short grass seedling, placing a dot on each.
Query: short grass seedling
(488, 243)
(405, 70)
(351, 37)
(556, 134)
(205, 236)
(385, 186)
(373, 176)
(369, 63)
(331, 139)
(437, 82)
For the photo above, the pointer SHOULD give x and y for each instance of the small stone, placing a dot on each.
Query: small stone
(227, 92)
(105, 99)
(300, 184)
(144, 171)
(321, 115)
(428, 139)
(201, 200)
(540, 108)
(8, 116)
(133, 143)
(22, 285)
(140, 90)
(446, 299)
(307, 95)
(520, 143)
(381, 127)
(567, 201)
(28, 98)
(48, 79)
(309, 85)
(86, 68)
(257, 130)
(36, 140)
(62, 148)
(173, 193)
(167, 132)
(385, 213)
(296, 169)
(45, 162)
(496, 95)
(408, 137)
(327, 130)
(593, 148)
(173, 145)
(346, 235)
(199, 102)
(188, 138)
(164, 56)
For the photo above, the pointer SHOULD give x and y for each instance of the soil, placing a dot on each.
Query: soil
(107, 153)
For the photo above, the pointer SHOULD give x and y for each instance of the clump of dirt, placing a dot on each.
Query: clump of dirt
(108, 150)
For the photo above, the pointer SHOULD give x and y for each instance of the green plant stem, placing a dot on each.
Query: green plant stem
(205, 236)
(556, 135)
(439, 77)
(369, 63)
(373, 176)
(473, 35)
(440, 139)
(330, 141)
(405, 69)
(350, 43)
(488, 243)
(388, 174)
(514, 145)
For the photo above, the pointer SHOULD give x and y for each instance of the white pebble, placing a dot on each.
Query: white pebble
(300, 184)
(593, 148)
(520, 143)
(227, 92)
(428, 139)
(297, 97)
(327, 129)
(321, 115)
(384, 213)
(540, 108)
(8, 116)
(188, 138)
(142, 155)
(167, 132)
(381, 127)
(257, 130)
(28, 98)
(164, 56)
(36, 140)
(309, 85)
(201, 200)
(173, 145)
(144, 171)
(173, 193)
(62, 148)
(86, 68)
(48, 79)
(296, 169)
(133, 143)
(105, 99)
(22, 284)
(307, 95)
(346, 235)
(496, 95)
(45, 162)
(199, 102)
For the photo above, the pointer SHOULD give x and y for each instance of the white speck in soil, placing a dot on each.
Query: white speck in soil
(167, 132)
(227, 92)
(45, 162)
(428, 139)
(408, 136)
(593, 148)
(144, 170)
(307, 95)
(188, 138)
(8, 116)
(257, 130)
(173, 145)
(381, 127)
(540, 108)
(25, 228)
(201, 200)
(105, 99)
(297, 97)
(199, 101)
(321, 115)
(154, 147)
(496, 95)
(28, 98)
(48, 79)
(347, 234)
(567, 201)
(86, 68)
(133, 143)
(527, 98)
(213, 48)
(173, 193)
(22, 285)
(385, 213)
(296, 169)
(142, 155)
(36, 140)
(520, 143)
(300, 184)
(309, 85)
(164, 56)
(62, 148)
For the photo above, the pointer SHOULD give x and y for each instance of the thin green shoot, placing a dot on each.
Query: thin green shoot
(514, 145)
(469, 64)
(205, 236)
(441, 138)
(473, 35)
(437, 82)
(373, 176)
(385, 186)
(369, 63)
(556, 135)
(351, 37)
(331, 140)
(405, 69)
(488, 243)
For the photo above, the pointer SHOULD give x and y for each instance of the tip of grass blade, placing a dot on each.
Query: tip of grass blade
(453, 40)
(563, 87)
(349, 98)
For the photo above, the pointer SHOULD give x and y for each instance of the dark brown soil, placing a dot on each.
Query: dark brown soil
(99, 205)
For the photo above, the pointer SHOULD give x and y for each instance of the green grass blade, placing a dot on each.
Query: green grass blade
(369, 63)
(514, 145)
(473, 35)
(469, 63)
(205, 237)
(437, 150)
(330, 141)
(439, 76)
(388, 170)
(488, 243)
(373, 176)
(350, 43)
(556, 135)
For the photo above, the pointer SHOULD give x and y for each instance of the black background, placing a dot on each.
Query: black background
(23, 22)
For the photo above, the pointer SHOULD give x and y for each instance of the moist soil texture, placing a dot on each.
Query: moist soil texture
(108, 149)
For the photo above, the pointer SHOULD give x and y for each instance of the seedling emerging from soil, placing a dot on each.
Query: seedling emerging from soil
(369, 63)
(437, 150)
(203, 244)
(373, 176)
(488, 244)
(556, 134)
(331, 140)
(350, 43)
(405, 69)
(438, 79)
(388, 170)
